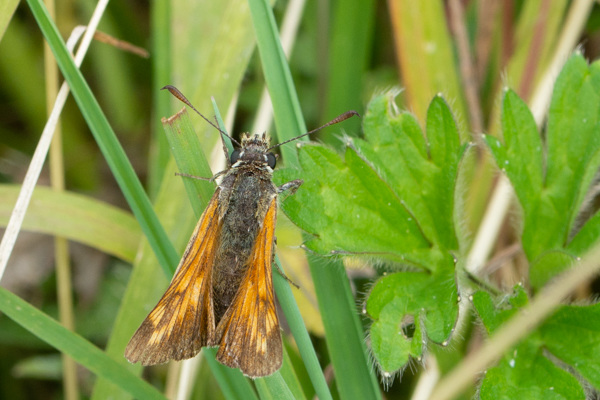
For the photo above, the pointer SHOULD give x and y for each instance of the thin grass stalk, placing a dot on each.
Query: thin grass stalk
(61, 247)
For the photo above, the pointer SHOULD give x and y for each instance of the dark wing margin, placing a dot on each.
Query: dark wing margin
(183, 320)
(249, 335)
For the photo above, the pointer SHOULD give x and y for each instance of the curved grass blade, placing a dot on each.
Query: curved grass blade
(82, 351)
(76, 217)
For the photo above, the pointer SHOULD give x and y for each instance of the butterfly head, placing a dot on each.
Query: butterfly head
(254, 150)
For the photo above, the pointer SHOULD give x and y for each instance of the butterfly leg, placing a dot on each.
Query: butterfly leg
(291, 186)
(202, 178)
(291, 282)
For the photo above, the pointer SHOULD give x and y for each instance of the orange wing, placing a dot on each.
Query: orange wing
(249, 331)
(183, 320)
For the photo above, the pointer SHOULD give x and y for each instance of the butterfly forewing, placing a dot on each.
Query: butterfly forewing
(249, 333)
(183, 320)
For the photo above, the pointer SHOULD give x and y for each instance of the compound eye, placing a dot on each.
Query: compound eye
(235, 156)
(271, 160)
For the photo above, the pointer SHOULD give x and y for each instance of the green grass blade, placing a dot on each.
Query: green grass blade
(221, 125)
(345, 337)
(349, 55)
(161, 75)
(76, 217)
(231, 381)
(105, 137)
(339, 313)
(74, 345)
(273, 388)
(7, 9)
(286, 107)
(190, 159)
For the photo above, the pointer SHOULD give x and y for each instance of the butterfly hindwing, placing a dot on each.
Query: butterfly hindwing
(248, 334)
(183, 320)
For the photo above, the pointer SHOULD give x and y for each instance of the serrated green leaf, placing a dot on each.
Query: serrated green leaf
(552, 202)
(570, 335)
(572, 132)
(430, 301)
(392, 197)
(405, 188)
(527, 374)
(548, 265)
(341, 201)
(573, 143)
(423, 175)
(522, 156)
(389, 343)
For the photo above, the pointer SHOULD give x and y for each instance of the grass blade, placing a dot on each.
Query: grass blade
(76, 217)
(7, 9)
(161, 75)
(74, 345)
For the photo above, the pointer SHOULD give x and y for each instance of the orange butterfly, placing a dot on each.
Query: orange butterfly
(222, 291)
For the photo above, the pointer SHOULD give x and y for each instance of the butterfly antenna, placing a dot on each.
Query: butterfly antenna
(175, 92)
(339, 118)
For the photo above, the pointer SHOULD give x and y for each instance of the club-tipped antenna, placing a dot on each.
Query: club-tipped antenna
(175, 92)
(339, 118)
